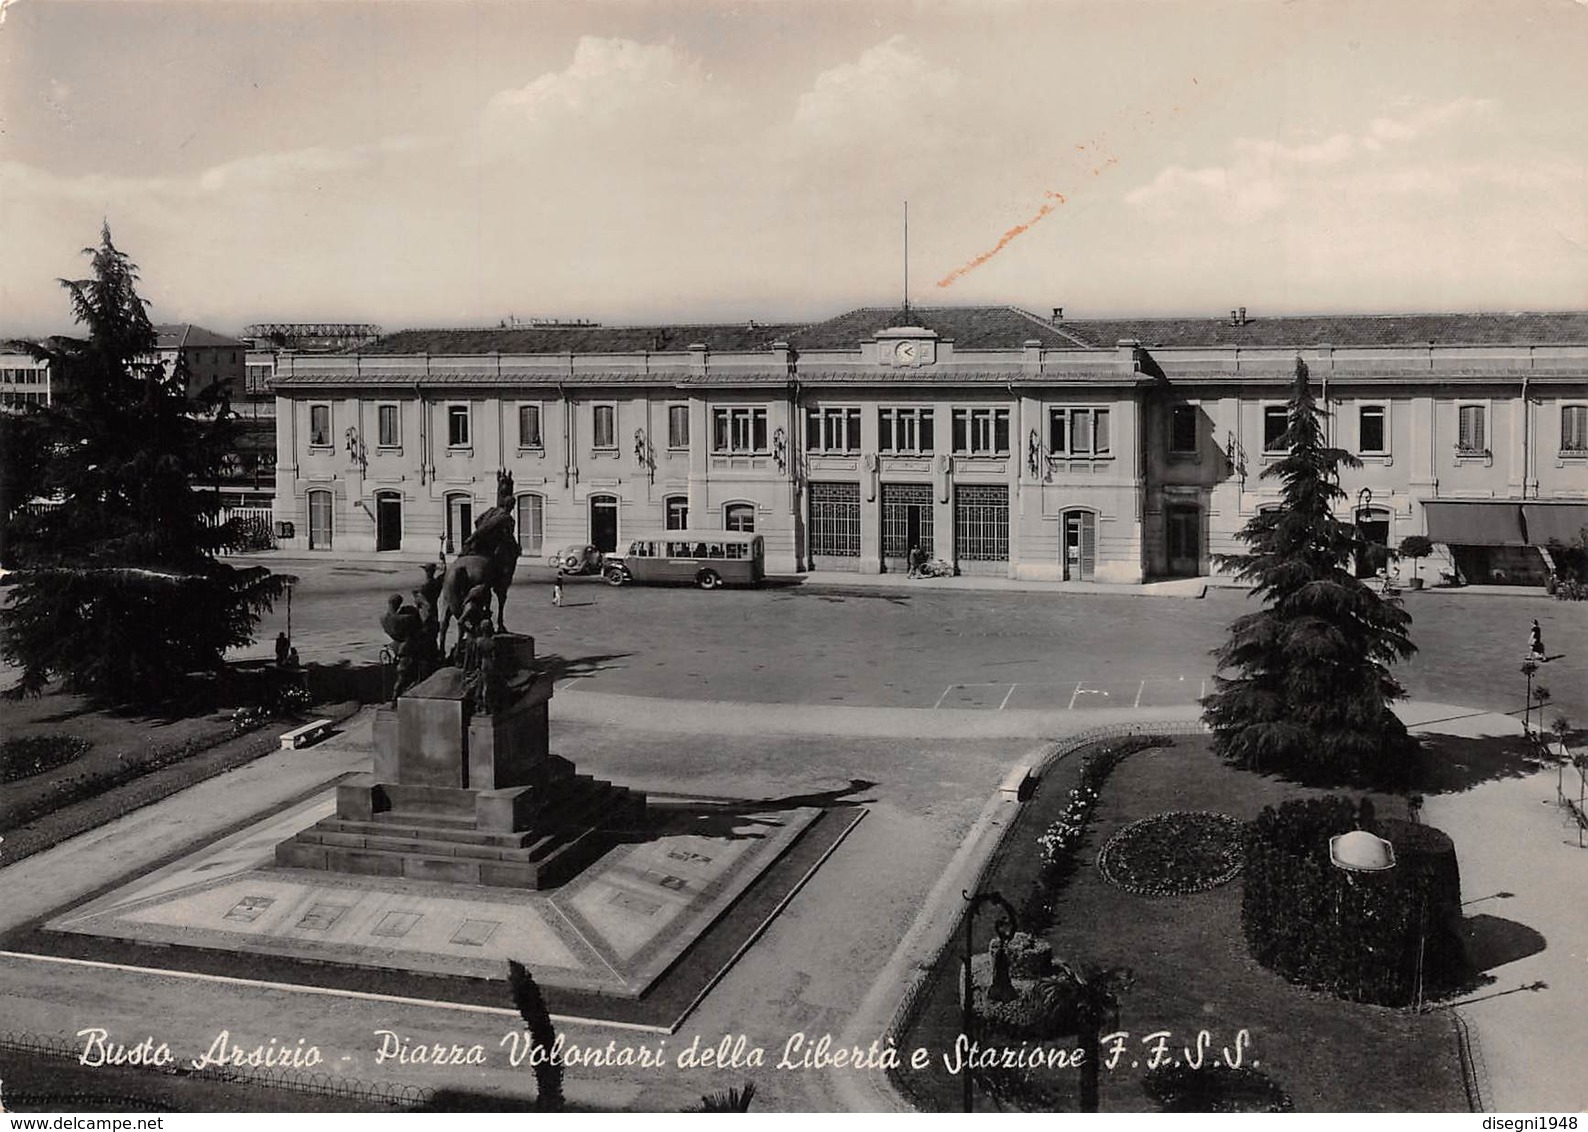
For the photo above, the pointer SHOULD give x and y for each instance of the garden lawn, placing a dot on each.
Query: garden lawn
(1192, 969)
(121, 747)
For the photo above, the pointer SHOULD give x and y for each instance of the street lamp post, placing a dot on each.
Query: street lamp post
(1005, 927)
(1528, 668)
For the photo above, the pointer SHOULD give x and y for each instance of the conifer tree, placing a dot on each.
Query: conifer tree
(1308, 688)
(120, 592)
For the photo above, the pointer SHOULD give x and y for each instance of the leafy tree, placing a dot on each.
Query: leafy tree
(1311, 688)
(1087, 999)
(537, 1020)
(120, 592)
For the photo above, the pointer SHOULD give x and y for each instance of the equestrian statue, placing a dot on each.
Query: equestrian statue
(487, 559)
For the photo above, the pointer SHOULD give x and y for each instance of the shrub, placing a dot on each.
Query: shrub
(1361, 936)
(34, 754)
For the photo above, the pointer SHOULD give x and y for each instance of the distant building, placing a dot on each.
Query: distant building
(24, 380)
(1005, 442)
(212, 359)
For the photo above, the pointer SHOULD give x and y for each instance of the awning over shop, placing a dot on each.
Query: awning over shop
(1559, 521)
(1475, 524)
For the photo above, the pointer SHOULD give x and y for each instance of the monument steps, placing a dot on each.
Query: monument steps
(466, 791)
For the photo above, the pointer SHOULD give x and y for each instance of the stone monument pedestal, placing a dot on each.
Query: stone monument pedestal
(468, 798)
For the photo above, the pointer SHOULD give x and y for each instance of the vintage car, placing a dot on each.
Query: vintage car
(576, 560)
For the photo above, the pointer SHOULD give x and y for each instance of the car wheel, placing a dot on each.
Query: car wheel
(616, 576)
(708, 579)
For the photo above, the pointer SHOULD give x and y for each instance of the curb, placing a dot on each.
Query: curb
(902, 978)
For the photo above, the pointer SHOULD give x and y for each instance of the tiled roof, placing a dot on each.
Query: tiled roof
(186, 336)
(970, 328)
(1557, 328)
(739, 337)
(1005, 328)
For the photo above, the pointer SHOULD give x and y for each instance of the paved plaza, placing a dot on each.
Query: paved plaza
(848, 694)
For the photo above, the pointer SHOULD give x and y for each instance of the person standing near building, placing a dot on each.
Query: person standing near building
(556, 588)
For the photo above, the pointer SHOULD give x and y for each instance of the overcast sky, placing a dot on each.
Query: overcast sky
(443, 163)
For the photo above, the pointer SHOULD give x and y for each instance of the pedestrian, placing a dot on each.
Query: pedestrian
(1535, 641)
(915, 561)
(556, 588)
(283, 648)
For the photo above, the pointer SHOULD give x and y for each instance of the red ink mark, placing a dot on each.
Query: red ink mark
(1008, 237)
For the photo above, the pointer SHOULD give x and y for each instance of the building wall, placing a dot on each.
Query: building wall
(24, 380)
(1158, 508)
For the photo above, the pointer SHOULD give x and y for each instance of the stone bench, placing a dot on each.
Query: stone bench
(303, 736)
(1018, 783)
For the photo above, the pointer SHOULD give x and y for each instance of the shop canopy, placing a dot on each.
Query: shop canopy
(1475, 524)
(1562, 522)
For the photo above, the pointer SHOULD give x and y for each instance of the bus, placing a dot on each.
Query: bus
(707, 559)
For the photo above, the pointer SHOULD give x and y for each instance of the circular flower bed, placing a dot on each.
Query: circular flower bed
(1174, 853)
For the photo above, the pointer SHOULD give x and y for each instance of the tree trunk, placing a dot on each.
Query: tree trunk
(1092, 1048)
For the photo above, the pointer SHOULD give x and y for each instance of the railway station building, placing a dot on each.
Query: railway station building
(1002, 441)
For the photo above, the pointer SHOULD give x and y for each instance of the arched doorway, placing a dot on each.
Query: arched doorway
(320, 508)
(1373, 528)
(460, 520)
(1079, 545)
(388, 520)
(604, 523)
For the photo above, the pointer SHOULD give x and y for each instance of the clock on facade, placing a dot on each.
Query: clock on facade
(907, 353)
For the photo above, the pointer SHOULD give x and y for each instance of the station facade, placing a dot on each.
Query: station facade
(1001, 441)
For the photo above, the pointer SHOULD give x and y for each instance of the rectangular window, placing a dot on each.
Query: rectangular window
(738, 431)
(605, 431)
(905, 431)
(678, 426)
(457, 426)
(529, 427)
(1370, 435)
(1470, 433)
(1574, 429)
(677, 513)
(833, 428)
(388, 430)
(1276, 423)
(1183, 430)
(981, 432)
(1078, 432)
(319, 426)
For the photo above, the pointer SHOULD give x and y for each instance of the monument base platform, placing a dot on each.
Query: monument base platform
(520, 837)
(636, 937)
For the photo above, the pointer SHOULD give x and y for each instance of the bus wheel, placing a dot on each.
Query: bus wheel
(616, 576)
(708, 579)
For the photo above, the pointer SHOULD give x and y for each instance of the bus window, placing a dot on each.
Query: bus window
(715, 550)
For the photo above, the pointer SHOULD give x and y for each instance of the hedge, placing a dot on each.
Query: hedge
(1356, 935)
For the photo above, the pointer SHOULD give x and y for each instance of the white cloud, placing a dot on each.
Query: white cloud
(614, 94)
(887, 85)
(1265, 176)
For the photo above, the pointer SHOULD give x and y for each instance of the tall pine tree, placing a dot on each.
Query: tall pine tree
(1310, 692)
(120, 592)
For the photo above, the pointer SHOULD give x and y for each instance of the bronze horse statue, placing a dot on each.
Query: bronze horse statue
(487, 558)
